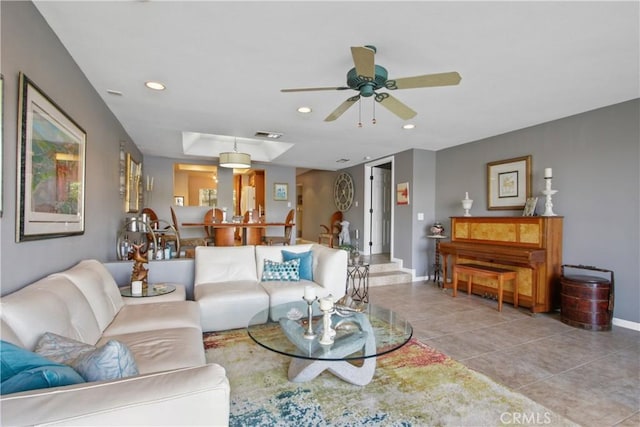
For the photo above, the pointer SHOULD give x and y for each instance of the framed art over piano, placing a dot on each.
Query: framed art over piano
(508, 183)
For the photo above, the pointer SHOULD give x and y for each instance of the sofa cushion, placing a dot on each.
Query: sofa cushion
(32, 311)
(99, 287)
(23, 370)
(159, 315)
(214, 264)
(231, 305)
(306, 262)
(287, 271)
(163, 349)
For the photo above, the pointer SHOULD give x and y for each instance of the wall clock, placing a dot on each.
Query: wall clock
(343, 192)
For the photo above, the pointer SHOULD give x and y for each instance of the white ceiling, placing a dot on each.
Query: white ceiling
(224, 63)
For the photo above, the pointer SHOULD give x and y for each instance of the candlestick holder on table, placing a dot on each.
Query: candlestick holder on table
(328, 333)
(548, 192)
(309, 334)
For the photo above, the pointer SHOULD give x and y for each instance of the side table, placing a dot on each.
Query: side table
(158, 292)
(437, 267)
(358, 282)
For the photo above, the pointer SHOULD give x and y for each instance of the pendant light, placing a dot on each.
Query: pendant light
(234, 159)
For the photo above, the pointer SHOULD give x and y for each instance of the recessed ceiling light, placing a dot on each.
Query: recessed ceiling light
(155, 85)
(342, 160)
(304, 110)
(408, 126)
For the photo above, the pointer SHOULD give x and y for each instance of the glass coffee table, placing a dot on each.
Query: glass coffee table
(360, 337)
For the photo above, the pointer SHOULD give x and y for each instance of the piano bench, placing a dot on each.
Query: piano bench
(499, 274)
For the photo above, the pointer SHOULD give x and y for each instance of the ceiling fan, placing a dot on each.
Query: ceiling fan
(367, 78)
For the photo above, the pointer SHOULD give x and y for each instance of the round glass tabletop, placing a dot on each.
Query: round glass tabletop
(150, 291)
(370, 333)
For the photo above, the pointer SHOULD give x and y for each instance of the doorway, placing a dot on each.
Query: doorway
(378, 223)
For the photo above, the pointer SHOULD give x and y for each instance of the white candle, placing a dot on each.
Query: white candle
(326, 304)
(466, 195)
(309, 293)
(547, 173)
(136, 287)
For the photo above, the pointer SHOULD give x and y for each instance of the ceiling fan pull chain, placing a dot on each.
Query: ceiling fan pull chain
(374, 114)
(359, 113)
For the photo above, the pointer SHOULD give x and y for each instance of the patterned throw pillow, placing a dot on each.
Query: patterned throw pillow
(111, 361)
(288, 271)
(61, 349)
(306, 262)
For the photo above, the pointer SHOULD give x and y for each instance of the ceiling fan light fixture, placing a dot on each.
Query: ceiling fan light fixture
(235, 160)
(155, 85)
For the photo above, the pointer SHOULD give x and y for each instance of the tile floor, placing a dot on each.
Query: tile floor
(592, 378)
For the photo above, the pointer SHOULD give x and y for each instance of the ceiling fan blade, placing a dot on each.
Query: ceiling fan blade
(396, 107)
(427, 80)
(363, 58)
(342, 108)
(309, 89)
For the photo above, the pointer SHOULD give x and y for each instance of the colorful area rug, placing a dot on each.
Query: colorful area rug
(413, 386)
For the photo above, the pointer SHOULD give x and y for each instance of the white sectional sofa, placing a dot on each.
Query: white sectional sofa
(229, 285)
(174, 385)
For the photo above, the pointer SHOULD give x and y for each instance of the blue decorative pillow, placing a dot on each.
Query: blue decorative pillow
(306, 262)
(111, 361)
(23, 370)
(61, 349)
(288, 271)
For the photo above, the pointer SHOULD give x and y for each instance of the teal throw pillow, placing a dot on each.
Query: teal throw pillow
(23, 370)
(288, 271)
(111, 361)
(306, 262)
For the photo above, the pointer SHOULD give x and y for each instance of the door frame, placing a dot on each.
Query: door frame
(366, 239)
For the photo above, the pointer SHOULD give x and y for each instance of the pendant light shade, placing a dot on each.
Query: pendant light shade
(233, 159)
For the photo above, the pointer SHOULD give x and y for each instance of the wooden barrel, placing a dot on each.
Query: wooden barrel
(587, 301)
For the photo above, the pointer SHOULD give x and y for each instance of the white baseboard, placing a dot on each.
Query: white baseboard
(626, 324)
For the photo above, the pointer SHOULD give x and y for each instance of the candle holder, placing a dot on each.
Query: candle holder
(309, 334)
(466, 205)
(548, 204)
(328, 333)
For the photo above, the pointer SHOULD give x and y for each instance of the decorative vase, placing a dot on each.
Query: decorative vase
(466, 204)
(437, 229)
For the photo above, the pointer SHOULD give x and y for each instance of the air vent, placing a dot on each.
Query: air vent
(270, 135)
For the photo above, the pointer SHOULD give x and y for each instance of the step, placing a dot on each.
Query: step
(389, 278)
(384, 267)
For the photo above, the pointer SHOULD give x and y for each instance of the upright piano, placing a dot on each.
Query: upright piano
(530, 245)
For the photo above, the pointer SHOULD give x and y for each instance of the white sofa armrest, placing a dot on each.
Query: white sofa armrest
(330, 269)
(190, 396)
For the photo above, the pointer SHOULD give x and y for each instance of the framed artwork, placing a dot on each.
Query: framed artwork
(132, 190)
(178, 200)
(51, 170)
(402, 193)
(530, 206)
(280, 191)
(508, 183)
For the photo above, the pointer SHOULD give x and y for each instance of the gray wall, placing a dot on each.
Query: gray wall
(29, 45)
(595, 158)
